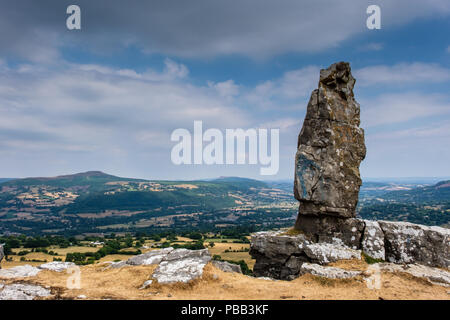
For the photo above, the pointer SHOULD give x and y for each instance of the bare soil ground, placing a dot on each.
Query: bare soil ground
(97, 282)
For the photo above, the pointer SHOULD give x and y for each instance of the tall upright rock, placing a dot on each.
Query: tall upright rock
(330, 148)
(327, 181)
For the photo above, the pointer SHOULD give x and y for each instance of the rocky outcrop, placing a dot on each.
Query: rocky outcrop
(330, 148)
(280, 255)
(174, 265)
(18, 291)
(227, 267)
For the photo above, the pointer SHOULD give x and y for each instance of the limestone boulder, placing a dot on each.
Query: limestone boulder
(181, 265)
(412, 243)
(19, 291)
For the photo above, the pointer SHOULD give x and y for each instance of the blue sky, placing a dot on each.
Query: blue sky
(107, 97)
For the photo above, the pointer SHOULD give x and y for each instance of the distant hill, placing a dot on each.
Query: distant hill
(429, 205)
(94, 201)
(240, 182)
(429, 194)
(2, 180)
(90, 178)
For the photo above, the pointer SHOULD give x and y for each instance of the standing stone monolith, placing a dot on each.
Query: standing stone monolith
(329, 151)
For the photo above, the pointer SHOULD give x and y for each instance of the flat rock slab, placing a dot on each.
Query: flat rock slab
(57, 266)
(19, 272)
(19, 291)
(181, 265)
(327, 272)
(433, 275)
(323, 253)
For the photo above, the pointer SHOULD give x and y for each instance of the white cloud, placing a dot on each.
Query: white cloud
(403, 74)
(290, 91)
(202, 28)
(402, 107)
(226, 88)
(374, 46)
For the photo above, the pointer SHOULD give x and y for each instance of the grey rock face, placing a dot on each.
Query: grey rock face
(412, 243)
(181, 265)
(272, 250)
(18, 291)
(227, 267)
(330, 148)
(373, 240)
(327, 272)
(327, 229)
(282, 256)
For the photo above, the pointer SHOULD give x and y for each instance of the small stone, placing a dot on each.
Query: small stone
(146, 284)
(227, 267)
